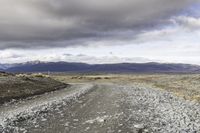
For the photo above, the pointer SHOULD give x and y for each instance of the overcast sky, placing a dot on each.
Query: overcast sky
(100, 31)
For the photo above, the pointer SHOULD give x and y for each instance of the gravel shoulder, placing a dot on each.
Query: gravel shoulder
(161, 111)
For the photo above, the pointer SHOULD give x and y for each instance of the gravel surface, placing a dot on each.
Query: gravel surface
(109, 108)
(160, 111)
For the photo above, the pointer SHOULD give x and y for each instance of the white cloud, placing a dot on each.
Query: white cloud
(8, 54)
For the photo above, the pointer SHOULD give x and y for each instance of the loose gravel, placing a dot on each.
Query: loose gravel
(159, 111)
(114, 108)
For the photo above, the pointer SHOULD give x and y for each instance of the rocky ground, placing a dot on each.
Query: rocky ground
(103, 107)
(160, 111)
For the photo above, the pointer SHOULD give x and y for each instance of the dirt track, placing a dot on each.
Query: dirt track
(106, 108)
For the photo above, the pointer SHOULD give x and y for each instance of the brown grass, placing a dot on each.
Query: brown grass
(182, 85)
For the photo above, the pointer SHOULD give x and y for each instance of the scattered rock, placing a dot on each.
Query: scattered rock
(139, 126)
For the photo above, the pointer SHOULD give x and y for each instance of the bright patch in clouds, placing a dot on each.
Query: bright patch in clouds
(98, 31)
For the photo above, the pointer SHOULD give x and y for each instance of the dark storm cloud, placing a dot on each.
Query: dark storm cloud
(58, 23)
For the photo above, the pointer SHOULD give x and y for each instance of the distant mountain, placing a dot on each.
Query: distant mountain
(5, 66)
(108, 68)
(49, 66)
(2, 67)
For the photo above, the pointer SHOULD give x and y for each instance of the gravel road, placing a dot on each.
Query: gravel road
(102, 108)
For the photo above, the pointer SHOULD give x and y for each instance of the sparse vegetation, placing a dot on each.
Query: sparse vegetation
(23, 85)
(182, 85)
(5, 74)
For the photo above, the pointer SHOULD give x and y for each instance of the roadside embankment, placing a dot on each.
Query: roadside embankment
(13, 87)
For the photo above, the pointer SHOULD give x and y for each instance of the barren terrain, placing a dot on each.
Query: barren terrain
(109, 103)
(186, 86)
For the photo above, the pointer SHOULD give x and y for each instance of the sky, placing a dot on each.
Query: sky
(100, 31)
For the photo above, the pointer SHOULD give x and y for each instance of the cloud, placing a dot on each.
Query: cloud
(58, 23)
(9, 55)
(191, 23)
(73, 58)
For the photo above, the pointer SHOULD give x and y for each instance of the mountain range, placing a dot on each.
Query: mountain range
(5, 66)
(151, 67)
